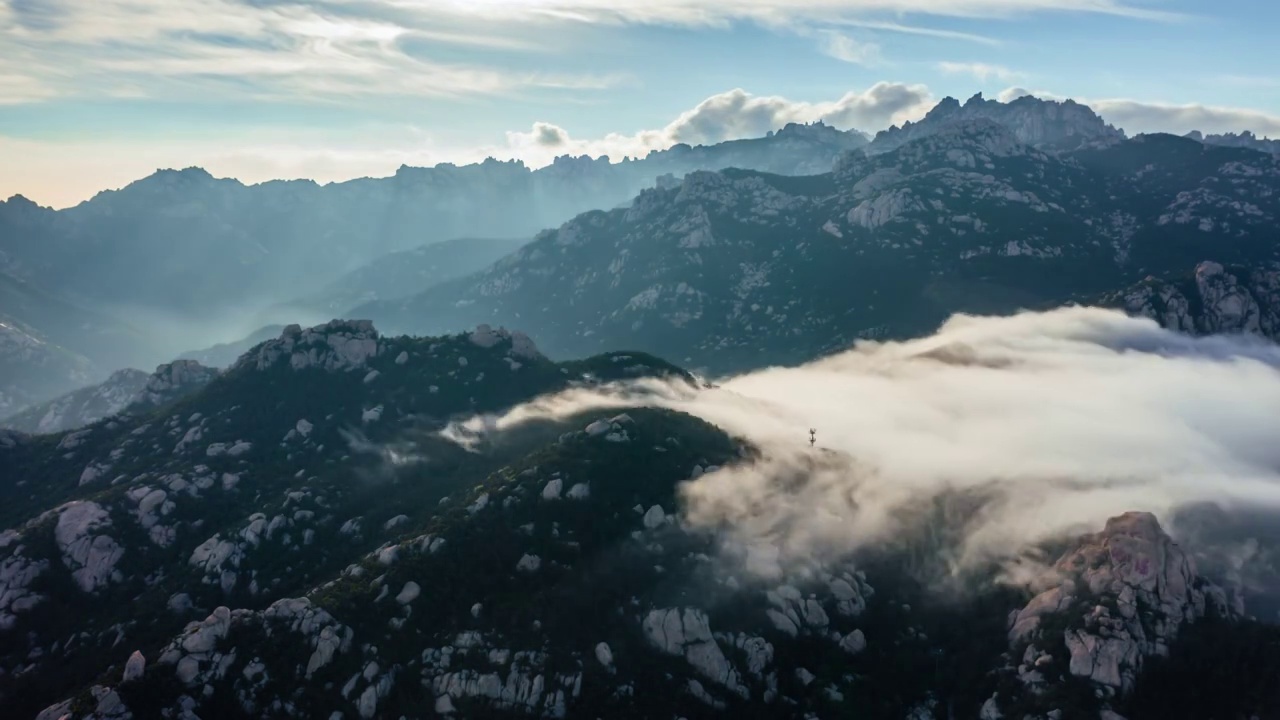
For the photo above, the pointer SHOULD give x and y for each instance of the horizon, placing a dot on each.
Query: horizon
(1006, 97)
(94, 95)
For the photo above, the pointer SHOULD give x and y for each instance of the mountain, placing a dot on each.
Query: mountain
(80, 407)
(1245, 139)
(1045, 124)
(180, 257)
(52, 345)
(309, 536)
(243, 246)
(33, 369)
(740, 269)
(122, 390)
(401, 274)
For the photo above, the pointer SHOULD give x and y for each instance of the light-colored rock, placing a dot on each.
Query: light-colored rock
(604, 655)
(90, 555)
(687, 632)
(551, 491)
(408, 593)
(134, 667)
(654, 517)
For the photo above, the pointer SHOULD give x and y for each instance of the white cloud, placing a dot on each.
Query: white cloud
(787, 12)
(846, 49)
(1060, 419)
(729, 116)
(981, 71)
(1136, 116)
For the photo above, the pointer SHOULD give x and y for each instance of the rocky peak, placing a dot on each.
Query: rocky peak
(175, 379)
(1045, 124)
(1120, 596)
(336, 345)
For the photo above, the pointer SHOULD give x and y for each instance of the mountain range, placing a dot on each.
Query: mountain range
(177, 260)
(413, 511)
(981, 206)
(738, 269)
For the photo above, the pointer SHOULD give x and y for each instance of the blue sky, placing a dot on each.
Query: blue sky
(96, 93)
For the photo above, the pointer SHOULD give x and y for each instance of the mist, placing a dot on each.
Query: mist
(1057, 420)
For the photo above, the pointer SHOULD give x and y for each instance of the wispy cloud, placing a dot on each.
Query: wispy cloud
(781, 12)
(846, 49)
(312, 49)
(895, 27)
(981, 71)
(286, 50)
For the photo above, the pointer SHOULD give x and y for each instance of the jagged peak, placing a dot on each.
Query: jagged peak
(1048, 124)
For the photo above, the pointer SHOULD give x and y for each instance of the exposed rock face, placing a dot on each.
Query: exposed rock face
(1215, 300)
(687, 632)
(90, 554)
(1125, 593)
(337, 345)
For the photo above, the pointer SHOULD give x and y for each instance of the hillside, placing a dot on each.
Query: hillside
(734, 270)
(299, 538)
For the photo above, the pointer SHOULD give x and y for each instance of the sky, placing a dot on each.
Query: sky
(97, 93)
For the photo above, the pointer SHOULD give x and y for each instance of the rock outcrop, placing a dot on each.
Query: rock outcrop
(1214, 300)
(173, 380)
(336, 345)
(1121, 597)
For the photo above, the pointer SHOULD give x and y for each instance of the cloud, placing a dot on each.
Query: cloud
(1136, 116)
(792, 12)
(844, 48)
(548, 135)
(285, 50)
(317, 49)
(981, 71)
(918, 30)
(1056, 420)
(731, 115)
